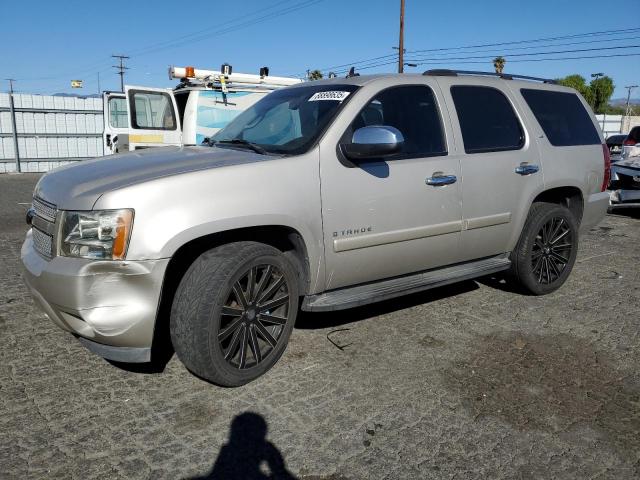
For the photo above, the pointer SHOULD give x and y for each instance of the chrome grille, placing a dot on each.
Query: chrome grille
(44, 209)
(42, 242)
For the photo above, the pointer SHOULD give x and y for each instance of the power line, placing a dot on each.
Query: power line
(545, 39)
(445, 61)
(505, 51)
(513, 42)
(195, 36)
(554, 52)
(239, 26)
(201, 31)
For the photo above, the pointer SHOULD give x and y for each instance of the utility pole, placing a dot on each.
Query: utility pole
(628, 110)
(121, 68)
(99, 84)
(13, 125)
(401, 40)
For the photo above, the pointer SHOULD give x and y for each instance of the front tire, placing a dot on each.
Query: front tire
(547, 249)
(233, 312)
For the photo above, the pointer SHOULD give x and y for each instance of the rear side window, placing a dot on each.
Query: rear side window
(487, 119)
(562, 116)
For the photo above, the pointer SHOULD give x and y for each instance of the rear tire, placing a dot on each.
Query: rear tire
(547, 249)
(233, 312)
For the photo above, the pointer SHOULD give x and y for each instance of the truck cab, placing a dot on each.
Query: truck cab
(201, 104)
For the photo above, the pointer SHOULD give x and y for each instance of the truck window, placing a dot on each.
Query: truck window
(118, 112)
(562, 117)
(152, 111)
(487, 120)
(412, 109)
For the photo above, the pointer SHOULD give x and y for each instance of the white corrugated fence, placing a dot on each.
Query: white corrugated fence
(52, 131)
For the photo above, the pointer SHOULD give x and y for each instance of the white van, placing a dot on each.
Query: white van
(201, 104)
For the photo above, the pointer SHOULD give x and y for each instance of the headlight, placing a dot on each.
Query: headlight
(103, 234)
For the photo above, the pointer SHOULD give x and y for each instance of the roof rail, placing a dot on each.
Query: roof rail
(443, 72)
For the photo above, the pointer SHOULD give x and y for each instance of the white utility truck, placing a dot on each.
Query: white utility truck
(201, 104)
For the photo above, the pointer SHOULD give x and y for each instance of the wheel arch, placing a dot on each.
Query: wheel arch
(567, 196)
(286, 239)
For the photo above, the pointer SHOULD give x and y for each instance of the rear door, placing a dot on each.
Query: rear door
(153, 117)
(114, 105)
(499, 160)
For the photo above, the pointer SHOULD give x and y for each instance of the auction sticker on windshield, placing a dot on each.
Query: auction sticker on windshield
(335, 95)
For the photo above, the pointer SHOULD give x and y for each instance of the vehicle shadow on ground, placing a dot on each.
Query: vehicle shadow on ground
(163, 351)
(502, 281)
(318, 320)
(248, 455)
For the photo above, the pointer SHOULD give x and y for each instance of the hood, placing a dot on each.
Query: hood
(78, 186)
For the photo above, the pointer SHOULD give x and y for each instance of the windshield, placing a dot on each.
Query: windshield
(286, 121)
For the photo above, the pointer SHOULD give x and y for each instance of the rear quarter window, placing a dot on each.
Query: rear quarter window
(562, 116)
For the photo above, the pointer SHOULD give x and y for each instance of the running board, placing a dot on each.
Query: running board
(363, 294)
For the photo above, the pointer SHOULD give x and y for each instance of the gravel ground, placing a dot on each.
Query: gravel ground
(467, 381)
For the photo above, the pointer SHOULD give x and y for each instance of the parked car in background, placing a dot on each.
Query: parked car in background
(624, 189)
(614, 142)
(631, 144)
(323, 196)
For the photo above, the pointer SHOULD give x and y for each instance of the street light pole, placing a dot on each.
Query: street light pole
(595, 77)
(401, 40)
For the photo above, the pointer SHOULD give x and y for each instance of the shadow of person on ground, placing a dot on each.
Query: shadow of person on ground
(248, 455)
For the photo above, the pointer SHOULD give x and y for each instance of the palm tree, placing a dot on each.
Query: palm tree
(498, 64)
(315, 75)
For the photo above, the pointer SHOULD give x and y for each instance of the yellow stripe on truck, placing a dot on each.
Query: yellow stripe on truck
(146, 139)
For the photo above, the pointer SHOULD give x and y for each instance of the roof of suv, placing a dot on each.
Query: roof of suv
(485, 77)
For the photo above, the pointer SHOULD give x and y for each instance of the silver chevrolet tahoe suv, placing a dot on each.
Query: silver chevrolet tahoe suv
(322, 196)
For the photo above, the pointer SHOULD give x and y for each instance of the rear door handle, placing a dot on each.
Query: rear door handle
(439, 179)
(526, 169)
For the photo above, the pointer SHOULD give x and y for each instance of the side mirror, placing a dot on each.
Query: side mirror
(373, 142)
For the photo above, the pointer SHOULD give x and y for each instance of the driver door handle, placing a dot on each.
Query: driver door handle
(439, 179)
(527, 169)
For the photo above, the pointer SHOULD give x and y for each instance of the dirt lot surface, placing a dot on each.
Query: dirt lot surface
(467, 381)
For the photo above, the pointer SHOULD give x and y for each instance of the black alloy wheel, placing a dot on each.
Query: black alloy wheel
(551, 250)
(234, 311)
(546, 251)
(253, 316)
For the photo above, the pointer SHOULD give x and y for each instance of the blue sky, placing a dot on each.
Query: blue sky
(45, 44)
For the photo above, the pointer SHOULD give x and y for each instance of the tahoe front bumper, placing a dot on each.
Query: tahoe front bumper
(110, 305)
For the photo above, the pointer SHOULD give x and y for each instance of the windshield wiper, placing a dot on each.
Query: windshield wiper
(237, 141)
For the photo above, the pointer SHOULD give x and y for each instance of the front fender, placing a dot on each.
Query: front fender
(173, 210)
